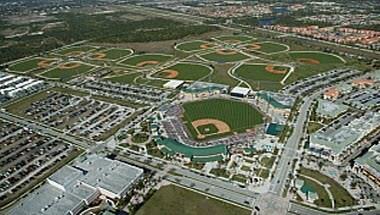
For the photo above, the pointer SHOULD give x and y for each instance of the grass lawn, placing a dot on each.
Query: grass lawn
(173, 200)
(195, 45)
(66, 74)
(268, 161)
(342, 197)
(136, 59)
(270, 47)
(151, 82)
(220, 75)
(232, 38)
(323, 198)
(186, 71)
(313, 127)
(263, 173)
(28, 65)
(140, 138)
(124, 79)
(220, 173)
(221, 58)
(238, 115)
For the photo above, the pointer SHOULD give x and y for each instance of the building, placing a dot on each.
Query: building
(368, 165)
(240, 92)
(332, 141)
(173, 84)
(362, 83)
(331, 94)
(72, 188)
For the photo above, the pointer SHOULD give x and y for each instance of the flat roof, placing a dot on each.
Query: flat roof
(330, 109)
(240, 90)
(173, 84)
(371, 159)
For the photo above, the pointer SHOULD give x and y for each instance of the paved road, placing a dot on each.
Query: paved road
(303, 210)
(224, 190)
(290, 150)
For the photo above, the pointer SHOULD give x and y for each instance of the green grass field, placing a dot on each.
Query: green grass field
(82, 49)
(270, 47)
(191, 46)
(66, 74)
(323, 198)
(173, 200)
(124, 79)
(259, 78)
(28, 65)
(136, 59)
(115, 53)
(221, 58)
(186, 71)
(341, 196)
(238, 115)
(232, 38)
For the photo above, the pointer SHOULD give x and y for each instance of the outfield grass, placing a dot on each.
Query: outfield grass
(75, 49)
(259, 78)
(136, 59)
(270, 47)
(124, 79)
(192, 45)
(173, 200)
(238, 115)
(66, 74)
(115, 53)
(220, 58)
(241, 38)
(186, 71)
(27, 65)
(323, 58)
(341, 196)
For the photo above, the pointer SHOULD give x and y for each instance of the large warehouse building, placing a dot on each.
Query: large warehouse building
(75, 186)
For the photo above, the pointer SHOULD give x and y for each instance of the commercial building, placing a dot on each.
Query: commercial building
(240, 92)
(368, 165)
(72, 188)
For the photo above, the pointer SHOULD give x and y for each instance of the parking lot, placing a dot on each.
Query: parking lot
(77, 114)
(25, 156)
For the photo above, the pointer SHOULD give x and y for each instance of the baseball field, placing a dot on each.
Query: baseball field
(262, 72)
(315, 58)
(224, 56)
(66, 71)
(31, 64)
(234, 39)
(184, 71)
(111, 54)
(146, 60)
(195, 45)
(266, 47)
(207, 118)
(124, 78)
(75, 50)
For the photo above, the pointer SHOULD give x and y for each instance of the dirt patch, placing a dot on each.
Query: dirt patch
(271, 69)
(147, 63)
(220, 125)
(308, 61)
(254, 46)
(206, 46)
(226, 52)
(98, 56)
(44, 63)
(69, 65)
(74, 53)
(170, 73)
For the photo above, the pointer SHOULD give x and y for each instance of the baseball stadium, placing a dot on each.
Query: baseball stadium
(219, 117)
